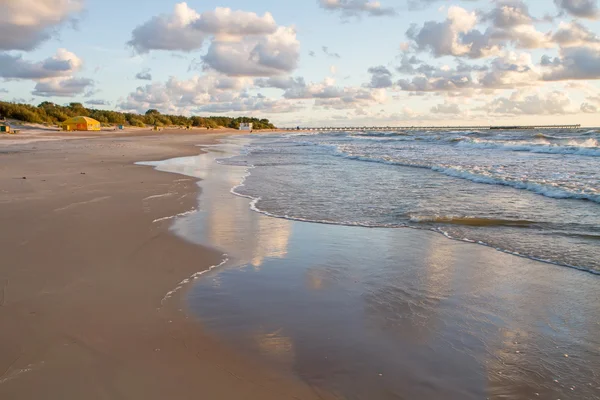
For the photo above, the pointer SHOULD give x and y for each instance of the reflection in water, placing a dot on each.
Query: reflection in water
(225, 224)
(392, 313)
(276, 345)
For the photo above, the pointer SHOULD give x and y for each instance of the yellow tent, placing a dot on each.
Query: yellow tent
(81, 124)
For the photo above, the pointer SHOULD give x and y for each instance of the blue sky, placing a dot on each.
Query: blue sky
(311, 62)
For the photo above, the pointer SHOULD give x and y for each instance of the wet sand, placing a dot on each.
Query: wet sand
(388, 313)
(84, 270)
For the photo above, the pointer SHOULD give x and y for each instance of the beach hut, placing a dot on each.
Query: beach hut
(81, 124)
(4, 128)
(244, 126)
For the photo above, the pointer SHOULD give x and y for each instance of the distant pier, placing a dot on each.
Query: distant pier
(430, 128)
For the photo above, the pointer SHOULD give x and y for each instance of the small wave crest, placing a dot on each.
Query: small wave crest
(468, 220)
(458, 172)
(588, 147)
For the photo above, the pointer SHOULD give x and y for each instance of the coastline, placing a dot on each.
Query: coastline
(88, 257)
(379, 313)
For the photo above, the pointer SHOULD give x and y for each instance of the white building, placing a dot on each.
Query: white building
(245, 126)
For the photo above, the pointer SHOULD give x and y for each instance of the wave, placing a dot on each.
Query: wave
(254, 206)
(469, 221)
(458, 172)
(589, 147)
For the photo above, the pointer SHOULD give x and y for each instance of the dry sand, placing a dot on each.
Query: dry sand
(84, 269)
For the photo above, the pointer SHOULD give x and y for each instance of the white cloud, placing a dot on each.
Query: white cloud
(62, 87)
(144, 75)
(251, 104)
(62, 64)
(326, 93)
(509, 13)
(224, 22)
(455, 36)
(329, 53)
(381, 77)
(356, 8)
(273, 54)
(24, 24)
(588, 108)
(580, 8)
(169, 32)
(574, 63)
(187, 30)
(510, 71)
(575, 34)
(446, 108)
(536, 103)
(182, 96)
(98, 102)
(241, 43)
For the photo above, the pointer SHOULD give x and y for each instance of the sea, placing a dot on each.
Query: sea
(532, 193)
(404, 265)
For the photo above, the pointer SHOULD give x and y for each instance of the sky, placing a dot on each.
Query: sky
(311, 62)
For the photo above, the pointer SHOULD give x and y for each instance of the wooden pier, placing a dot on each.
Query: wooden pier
(430, 128)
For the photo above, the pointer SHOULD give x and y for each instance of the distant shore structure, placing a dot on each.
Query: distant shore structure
(431, 128)
(246, 126)
(81, 124)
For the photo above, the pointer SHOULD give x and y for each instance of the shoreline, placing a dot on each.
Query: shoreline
(85, 268)
(426, 319)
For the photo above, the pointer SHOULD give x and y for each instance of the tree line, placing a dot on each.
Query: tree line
(54, 114)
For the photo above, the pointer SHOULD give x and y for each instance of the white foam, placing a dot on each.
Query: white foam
(192, 278)
(183, 214)
(589, 147)
(158, 196)
(456, 172)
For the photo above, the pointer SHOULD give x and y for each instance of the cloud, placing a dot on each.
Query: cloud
(446, 108)
(574, 34)
(98, 102)
(510, 71)
(330, 53)
(186, 29)
(62, 87)
(181, 96)
(455, 36)
(573, 63)
(274, 54)
(252, 104)
(226, 23)
(326, 94)
(352, 98)
(144, 75)
(169, 32)
(280, 82)
(509, 13)
(523, 37)
(356, 8)
(523, 103)
(312, 53)
(588, 108)
(580, 8)
(24, 24)
(62, 64)
(240, 43)
(381, 77)
(2, 90)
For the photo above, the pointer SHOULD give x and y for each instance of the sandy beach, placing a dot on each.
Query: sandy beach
(87, 258)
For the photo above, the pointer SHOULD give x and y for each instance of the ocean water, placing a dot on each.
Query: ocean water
(529, 193)
(379, 312)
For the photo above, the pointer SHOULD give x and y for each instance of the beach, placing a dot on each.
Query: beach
(186, 265)
(85, 270)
